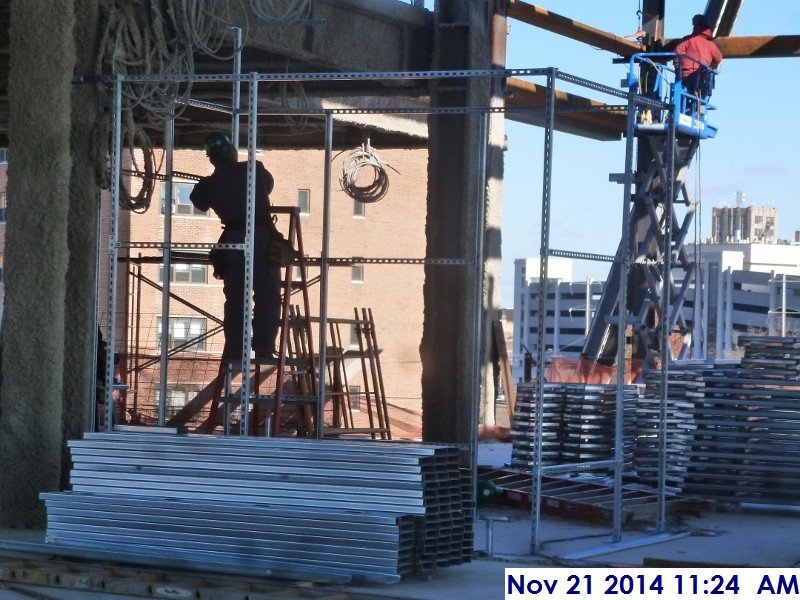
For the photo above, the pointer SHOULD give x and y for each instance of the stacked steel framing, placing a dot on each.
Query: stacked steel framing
(369, 510)
(578, 423)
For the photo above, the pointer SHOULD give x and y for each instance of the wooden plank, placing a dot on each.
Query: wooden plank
(759, 46)
(604, 125)
(505, 367)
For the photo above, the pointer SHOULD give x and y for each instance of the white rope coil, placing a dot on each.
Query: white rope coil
(359, 159)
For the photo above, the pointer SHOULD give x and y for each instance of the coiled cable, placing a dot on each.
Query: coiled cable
(364, 157)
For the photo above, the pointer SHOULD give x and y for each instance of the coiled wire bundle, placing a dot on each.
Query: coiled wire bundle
(364, 157)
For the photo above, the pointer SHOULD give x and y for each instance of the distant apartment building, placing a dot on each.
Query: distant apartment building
(743, 224)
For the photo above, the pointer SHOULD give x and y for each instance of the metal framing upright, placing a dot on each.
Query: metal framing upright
(616, 464)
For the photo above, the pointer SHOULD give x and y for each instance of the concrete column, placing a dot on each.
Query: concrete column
(461, 41)
(81, 332)
(42, 59)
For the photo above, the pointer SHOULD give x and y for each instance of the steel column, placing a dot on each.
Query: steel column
(622, 313)
(547, 175)
(324, 268)
(166, 257)
(247, 330)
(111, 314)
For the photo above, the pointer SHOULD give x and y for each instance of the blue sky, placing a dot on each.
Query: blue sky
(755, 149)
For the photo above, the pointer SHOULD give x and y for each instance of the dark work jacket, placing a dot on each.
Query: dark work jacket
(225, 192)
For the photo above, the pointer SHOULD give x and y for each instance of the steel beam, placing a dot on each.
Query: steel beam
(543, 18)
(722, 15)
(759, 46)
(605, 125)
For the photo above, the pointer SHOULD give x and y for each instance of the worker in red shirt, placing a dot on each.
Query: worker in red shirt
(697, 47)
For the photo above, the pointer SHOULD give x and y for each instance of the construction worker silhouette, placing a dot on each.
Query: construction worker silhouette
(225, 192)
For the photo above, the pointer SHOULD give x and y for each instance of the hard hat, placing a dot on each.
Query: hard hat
(216, 143)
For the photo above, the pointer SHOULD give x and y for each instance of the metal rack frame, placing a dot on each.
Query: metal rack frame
(252, 80)
(632, 100)
(326, 262)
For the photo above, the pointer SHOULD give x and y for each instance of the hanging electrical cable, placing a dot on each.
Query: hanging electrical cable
(281, 10)
(364, 157)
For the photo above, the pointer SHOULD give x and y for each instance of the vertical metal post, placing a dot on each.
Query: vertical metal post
(705, 311)
(720, 339)
(773, 304)
(250, 219)
(587, 315)
(783, 305)
(664, 322)
(237, 86)
(91, 416)
(622, 313)
(166, 261)
(728, 308)
(556, 318)
(323, 274)
(544, 248)
(478, 273)
(699, 326)
(113, 238)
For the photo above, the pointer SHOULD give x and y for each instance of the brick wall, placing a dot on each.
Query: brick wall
(393, 227)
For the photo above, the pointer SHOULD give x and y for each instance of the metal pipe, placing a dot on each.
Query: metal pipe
(556, 317)
(169, 142)
(324, 267)
(547, 174)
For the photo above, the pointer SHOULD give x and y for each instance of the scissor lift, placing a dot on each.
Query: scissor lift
(653, 75)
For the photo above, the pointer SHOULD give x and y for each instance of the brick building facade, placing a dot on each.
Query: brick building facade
(394, 227)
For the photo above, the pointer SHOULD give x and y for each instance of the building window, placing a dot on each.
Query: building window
(3, 156)
(177, 396)
(357, 274)
(182, 273)
(359, 210)
(3, 198)
(354, 394)
(355, 340)
(181, 204)
(304, 201)
(183, 330)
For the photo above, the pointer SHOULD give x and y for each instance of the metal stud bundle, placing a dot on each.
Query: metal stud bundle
(367, 509)
(679, 428)
(747, 444)
(578, 423)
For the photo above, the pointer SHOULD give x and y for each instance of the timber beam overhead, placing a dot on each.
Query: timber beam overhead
(544, 19)
(759, 46)
(756, 46)
(573, 114)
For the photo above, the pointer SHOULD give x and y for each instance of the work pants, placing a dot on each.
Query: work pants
(266, 296)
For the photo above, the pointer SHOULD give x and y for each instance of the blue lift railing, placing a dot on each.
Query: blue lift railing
(691, 109)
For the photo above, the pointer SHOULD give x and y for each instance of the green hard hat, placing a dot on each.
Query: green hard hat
(216, 143)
